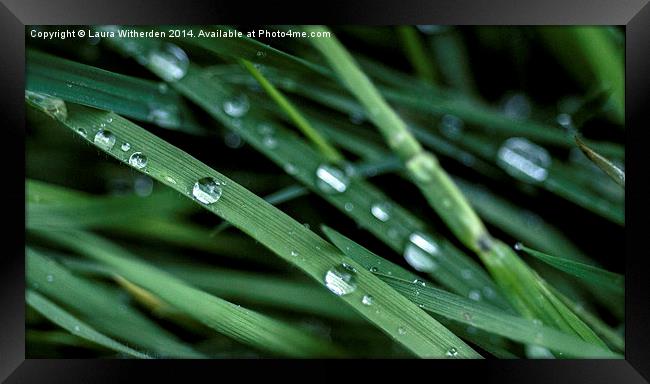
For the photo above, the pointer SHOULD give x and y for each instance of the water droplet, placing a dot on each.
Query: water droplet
(163, 87)
(49, 278)
(537, 322)
(517, 107)
(357, 117)
(306, 225)
(138, 160)
(233, 140)
(236, 107)
(524, 160)
(77, 328)
(331, 179)
(104, 140)
(467, 316)
(82, 132)
(143, 186)
(489, 292)
(166, 116)
(419, 250)
(52, 106)
(125, 147)
(290, 169)
(420, 282)
(294, 253)
(374, 269)
(348, 207)
(169, 61)
(466, 274)
(367, 300)
(452, 352)
(381, 211)
(474, 294)
(170, 180)
(341, 279)
(401, 330)
(270, 142)
(518, 246)
(451, 126)
(207, 190)
(565, 120)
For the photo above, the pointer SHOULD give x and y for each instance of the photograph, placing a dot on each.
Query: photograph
(333, 191)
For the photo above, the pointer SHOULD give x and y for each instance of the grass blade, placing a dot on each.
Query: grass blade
(607, 166)
(75, 326)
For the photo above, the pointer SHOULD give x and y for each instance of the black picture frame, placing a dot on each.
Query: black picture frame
(633, 14)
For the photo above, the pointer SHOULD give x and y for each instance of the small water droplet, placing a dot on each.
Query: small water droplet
(270, 142)
(467, 316)
(374, 269)
(452, 352)
(104, 140)
(236, 107)
(419, 250)
(420, 282)
(82, 132)
(451, 126)
(290, 169)
(49, 278)
(517, 107)
(125, 147)
(367, 300)
(518, 246)
(168, 61)
(167, 116)
(207, 190)
(474, 294)
(357, 117)
(306, 225)
(341, 279)
(294, 253)
(348, 207)
(163, 88)
(524, 160)
(565, 120)
(331, 179)
(77, 328)
(138, 160)
(233, 140)
(466, 274)
(381, 211)
(401, 330)
(170, 180)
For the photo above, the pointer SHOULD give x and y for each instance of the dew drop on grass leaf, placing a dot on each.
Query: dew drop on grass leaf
(53, 106)
(419, 250)
(341, 279)
(270, 142)
(401, 330)
(451, 126)
(125, 147)
(294, 253)
(381, 211)
(452, 352)
(207, 190)
(517, 107)
(104, 140)
(367, 300)
(49, 278)
(138, 160)
(524, 160)
(330, 179)
(348, 207)
(236, 107)
(474, 295)
(82, 132)
(169, 61)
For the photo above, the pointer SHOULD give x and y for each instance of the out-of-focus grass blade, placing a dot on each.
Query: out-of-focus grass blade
(239, 323)
(75, 326)
(140, 99)
(607, 166)
(594, 276)
(270, 226)
(102, 308)
(464, 310)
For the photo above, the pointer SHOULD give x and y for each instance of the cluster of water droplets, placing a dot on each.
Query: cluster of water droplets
(524, 160)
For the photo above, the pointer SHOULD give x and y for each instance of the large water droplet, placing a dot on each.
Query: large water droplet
(524, 160)
(52, 106)
(236, 107)
(367, 300)
(331, 179)
(138, 160)
(341, 279)
(104, 140)
(169, 61)
(207, 190)
(381, 211)
(419, 251)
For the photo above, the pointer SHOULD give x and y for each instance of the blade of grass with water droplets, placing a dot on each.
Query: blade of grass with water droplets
(463, 310)
(274, 229)
(140, 99)
(75, 326)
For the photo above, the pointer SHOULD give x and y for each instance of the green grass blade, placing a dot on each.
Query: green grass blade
(319, 141)
(238, 323)
(607, 166)
(75, 326)
(140, 99)
(101, 308)
(416, 53)
(274, 229)
(594, 276)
